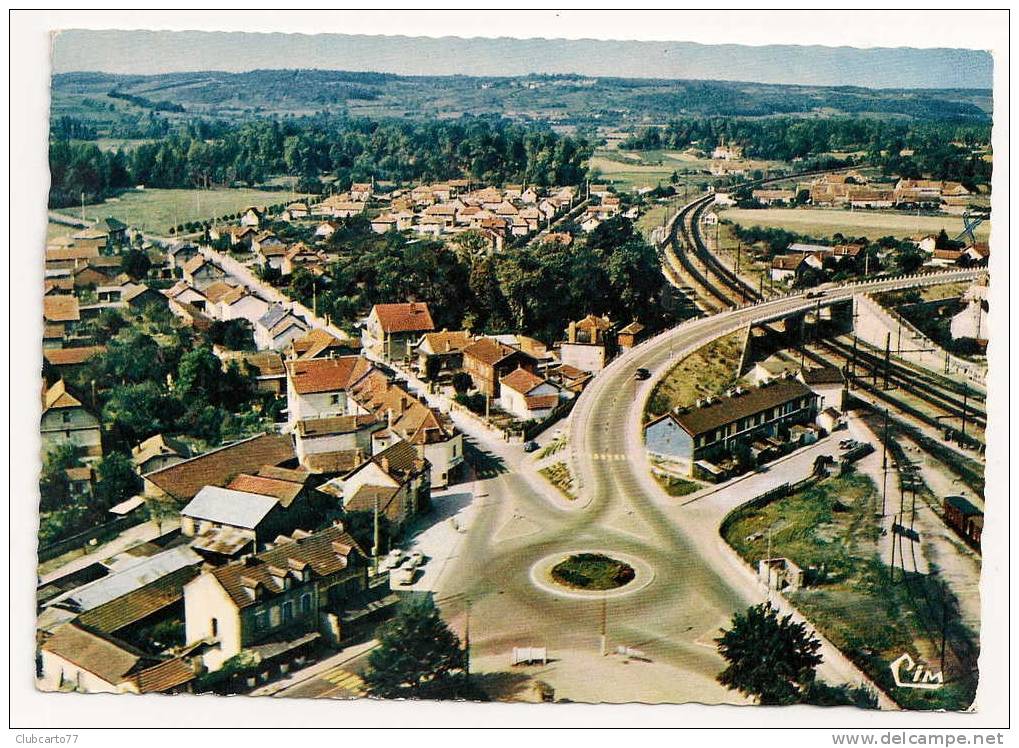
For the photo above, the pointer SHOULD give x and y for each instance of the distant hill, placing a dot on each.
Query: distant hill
(149, 52)
(557, 99)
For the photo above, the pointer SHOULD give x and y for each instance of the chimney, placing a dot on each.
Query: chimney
(389, 417)
(385, 464)
(571, 332)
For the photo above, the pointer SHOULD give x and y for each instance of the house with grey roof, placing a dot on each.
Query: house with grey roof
(278, 328)
(226, 523)
(714, 427)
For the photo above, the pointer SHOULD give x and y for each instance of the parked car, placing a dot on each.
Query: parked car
(531, 446)
(404, 575)
(415, 559)
(392, 560)
(642, 374)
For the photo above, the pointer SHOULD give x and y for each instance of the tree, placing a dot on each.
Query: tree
(462, 382)
(117, 480)
(769, 657)
(135, 263)
(234, 334)
(137, 411)
(54, 487)
(433, 365)
(417, 657)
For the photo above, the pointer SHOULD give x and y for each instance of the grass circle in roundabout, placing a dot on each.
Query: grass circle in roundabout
(591, 573)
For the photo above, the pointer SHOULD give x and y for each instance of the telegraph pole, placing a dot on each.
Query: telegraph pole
(604, 624)
(467, 644)
(965, 404)
(888, 353)
(884, 465)
(375, 536)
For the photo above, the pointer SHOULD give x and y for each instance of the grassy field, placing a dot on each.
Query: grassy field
(629, 170)
(157, 210)
(829, 529)
(823, 222)
(592, 571)
(676, 486)
(704, 372)
(558, 474)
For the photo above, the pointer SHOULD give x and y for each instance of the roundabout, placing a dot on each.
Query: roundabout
(591, 574)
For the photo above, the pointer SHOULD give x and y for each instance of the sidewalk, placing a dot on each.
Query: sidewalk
(344, 655)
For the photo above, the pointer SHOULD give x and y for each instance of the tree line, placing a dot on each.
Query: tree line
(532, 289)
(203, 154)
(942, 149)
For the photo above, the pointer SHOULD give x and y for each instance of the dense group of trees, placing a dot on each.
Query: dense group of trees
(533, 289)
(204, 154)
(774, 660)
(881, 140)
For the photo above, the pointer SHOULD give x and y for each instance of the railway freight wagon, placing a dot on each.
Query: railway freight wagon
(963, 517)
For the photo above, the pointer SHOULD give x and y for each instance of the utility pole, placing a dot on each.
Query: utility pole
(604, 624)
(888, 352)
(891, 568)
(467, 644)
(375, 536)
(853, 364)
(965, 403)
(884, 465)
(944, 625)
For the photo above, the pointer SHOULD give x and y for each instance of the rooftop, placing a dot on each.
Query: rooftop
(227, 506)
(326, 374)
(412, 316)
(323, 553)
(134, 576)
(729, 409)
(185, 479)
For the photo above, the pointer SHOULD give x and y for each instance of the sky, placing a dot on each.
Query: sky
(149, 52)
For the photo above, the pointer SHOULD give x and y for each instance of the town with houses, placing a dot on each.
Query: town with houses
(245, 490)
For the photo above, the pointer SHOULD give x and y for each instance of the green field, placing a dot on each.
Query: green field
(629, 170)
(157, 210)
(704, 373)
(829, 529)
(823, 222)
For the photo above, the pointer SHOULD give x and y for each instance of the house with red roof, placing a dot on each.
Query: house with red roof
(391, 330)
(528, 396)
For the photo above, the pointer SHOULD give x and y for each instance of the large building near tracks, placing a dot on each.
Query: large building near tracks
(714, 427)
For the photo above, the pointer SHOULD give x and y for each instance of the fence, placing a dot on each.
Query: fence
(558, 412)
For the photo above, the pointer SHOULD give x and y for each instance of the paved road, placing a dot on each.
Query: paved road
(485, 587)
(696, 586)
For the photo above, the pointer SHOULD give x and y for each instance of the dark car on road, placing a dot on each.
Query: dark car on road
(642, 374)
(531, 446)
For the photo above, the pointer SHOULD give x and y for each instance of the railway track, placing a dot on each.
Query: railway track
(933, 391)
(944, 398)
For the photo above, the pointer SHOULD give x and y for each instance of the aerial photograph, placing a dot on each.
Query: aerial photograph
(513, 370)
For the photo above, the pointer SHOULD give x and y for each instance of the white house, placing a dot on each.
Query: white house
(65, 420)
(528, 396)
(335, 434)
(242, 304)
(319, 387)
(277, 328)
